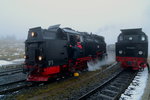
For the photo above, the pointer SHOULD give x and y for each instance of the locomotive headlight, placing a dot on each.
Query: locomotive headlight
(33, 34)
(40, 58)
(140, 52)
(120, 51)
(25, 57)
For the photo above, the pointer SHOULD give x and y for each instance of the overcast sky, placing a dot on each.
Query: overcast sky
(103, 17)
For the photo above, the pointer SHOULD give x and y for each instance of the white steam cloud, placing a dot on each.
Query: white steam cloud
(97, 64)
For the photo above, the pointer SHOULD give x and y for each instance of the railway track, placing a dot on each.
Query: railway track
(13, 82)
(14, 86)
(20, 84)
(11, 74)
(76, 87)
(10, 71)
(112, 88)
(12, 79)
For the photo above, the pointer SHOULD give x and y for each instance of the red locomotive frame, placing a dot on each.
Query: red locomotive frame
(135, 63)
(43, 74)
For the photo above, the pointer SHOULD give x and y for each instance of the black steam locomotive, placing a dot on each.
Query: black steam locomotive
(132, 49)
(56, 51)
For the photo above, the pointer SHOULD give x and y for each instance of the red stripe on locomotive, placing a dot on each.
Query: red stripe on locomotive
(134, 62)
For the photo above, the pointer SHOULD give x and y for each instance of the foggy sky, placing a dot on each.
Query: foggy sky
(103, 17)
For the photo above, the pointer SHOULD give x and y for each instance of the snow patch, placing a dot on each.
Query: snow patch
(17, 61)
(136, 88)
(3, 62)
(15, 54)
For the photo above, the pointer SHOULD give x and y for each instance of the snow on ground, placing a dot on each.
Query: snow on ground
(3, 62)
(17, 61)
(136, 88)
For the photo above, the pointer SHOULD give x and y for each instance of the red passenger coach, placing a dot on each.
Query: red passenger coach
(132, 49)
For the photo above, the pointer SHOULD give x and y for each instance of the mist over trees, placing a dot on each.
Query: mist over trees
(10, 39)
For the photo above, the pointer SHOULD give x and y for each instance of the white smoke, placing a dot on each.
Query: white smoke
(97, 64)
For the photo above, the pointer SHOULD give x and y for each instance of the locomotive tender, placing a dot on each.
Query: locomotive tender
(56, 51)
(132, 49)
